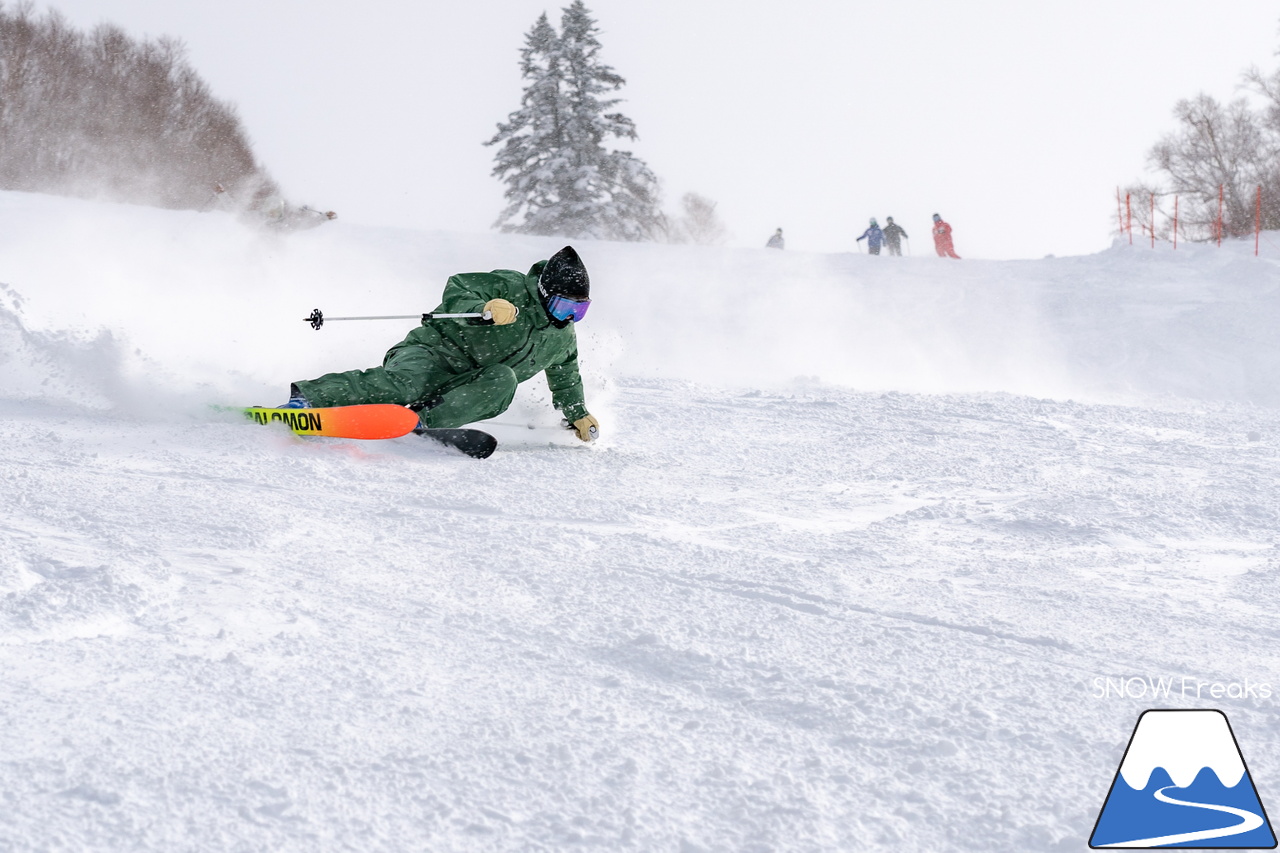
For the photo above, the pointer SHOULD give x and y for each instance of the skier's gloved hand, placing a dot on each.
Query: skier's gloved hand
(500, 311)
(587, 427)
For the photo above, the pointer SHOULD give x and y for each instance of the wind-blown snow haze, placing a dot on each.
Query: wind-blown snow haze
(858, 542)
(1016, 121)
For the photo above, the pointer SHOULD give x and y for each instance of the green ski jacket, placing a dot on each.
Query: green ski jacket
(530, 345)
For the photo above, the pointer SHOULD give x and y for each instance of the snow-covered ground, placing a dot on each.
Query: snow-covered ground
(859, 539)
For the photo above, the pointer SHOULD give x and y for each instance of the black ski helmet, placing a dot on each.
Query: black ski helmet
(565, 275)
(937, 218)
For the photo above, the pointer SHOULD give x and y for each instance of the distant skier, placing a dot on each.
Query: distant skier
(776, 241)
(217, 199)
(942, 239)
(304, 217)
(874, 237)
(272, 211)
(456, 372)
(893, 234)
(275, 214)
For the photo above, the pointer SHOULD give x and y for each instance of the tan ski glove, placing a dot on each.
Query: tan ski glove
(587, 428)
(500, 311)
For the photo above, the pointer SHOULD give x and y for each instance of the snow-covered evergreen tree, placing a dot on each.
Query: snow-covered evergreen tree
(561, 178)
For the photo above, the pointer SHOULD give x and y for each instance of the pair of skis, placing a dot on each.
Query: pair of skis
(373, 421)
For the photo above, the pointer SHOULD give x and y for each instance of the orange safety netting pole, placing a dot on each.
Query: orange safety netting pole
(1219, 216)
(1153, 220)
(1128, 214)
(1257, 223)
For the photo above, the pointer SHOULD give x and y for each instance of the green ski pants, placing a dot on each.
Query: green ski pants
(413, 376)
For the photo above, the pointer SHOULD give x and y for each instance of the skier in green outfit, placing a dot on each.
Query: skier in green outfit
(458, 372)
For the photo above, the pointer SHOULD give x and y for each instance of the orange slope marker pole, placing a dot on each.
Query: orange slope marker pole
(1153, 220)
(1220, 216)
(1257, 223)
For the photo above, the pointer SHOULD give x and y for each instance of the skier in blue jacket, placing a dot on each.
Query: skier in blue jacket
(874, 237)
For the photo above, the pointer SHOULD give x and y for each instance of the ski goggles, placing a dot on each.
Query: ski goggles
(564, 308)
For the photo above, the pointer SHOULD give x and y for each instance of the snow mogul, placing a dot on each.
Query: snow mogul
(458, 372)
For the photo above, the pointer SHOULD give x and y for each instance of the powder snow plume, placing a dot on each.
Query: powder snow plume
(61, 367)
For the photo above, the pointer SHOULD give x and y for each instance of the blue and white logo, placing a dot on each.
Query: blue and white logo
(1183, 783)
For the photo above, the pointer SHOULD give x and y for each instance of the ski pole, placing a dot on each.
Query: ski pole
(317, 318)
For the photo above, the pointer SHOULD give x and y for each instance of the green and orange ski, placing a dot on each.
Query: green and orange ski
(372, 421)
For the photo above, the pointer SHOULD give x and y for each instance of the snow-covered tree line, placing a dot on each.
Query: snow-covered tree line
(556, 156)
(1235, 146)
(102, 114)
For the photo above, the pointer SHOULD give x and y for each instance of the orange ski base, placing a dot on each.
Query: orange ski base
(373, 421)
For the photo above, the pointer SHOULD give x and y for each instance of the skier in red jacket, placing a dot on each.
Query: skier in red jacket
(942, 239)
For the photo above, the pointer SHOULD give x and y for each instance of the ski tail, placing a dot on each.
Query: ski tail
(475, 443)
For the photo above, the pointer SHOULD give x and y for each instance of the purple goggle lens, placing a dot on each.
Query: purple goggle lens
(563, 308)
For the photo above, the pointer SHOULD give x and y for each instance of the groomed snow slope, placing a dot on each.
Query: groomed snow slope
(859, 537)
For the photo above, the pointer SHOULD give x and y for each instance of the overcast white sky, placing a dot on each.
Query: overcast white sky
(1014, 119)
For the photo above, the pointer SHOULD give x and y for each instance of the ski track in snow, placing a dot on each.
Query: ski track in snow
(748, 619)
(308, 641)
